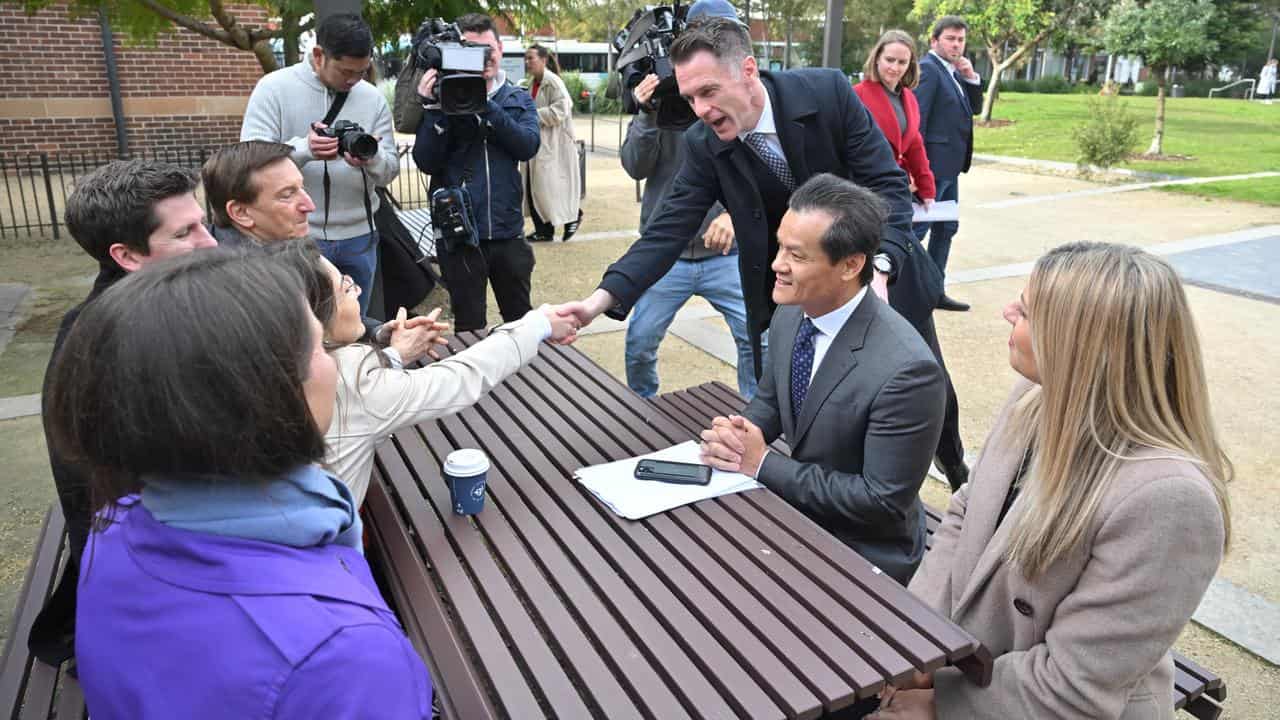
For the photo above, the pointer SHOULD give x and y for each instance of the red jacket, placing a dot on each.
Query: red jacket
(908, 148)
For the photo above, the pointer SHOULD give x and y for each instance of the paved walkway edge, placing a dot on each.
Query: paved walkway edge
(20, 406)
(1245, 619)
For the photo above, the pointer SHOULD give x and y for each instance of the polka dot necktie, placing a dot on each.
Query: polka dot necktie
(775, 162)
(801, 365)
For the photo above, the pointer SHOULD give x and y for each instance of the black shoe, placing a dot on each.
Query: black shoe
(572, 227)
(535, 237)
(947, 303)
(957, 475)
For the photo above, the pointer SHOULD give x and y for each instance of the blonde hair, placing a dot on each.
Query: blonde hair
(1120, 371)
(911, 77)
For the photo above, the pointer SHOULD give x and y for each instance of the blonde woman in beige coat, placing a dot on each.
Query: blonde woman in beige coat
(1097, 513)
(553, 185)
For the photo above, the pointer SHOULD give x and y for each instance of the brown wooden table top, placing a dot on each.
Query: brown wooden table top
(547, 604)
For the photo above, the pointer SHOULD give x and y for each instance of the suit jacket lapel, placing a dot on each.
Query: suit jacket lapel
(952, 82)
(983, 545)
(789, 111)
(838, 362)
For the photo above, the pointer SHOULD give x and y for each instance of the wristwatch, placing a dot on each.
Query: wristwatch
(883, 263)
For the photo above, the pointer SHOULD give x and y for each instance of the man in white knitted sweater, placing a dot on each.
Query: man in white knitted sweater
(288, 106)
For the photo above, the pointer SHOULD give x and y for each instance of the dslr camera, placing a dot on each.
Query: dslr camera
(460, 86)
(644, 47)
(352, 139)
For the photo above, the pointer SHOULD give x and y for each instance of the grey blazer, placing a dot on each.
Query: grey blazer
(866, 435)
(1091, 637)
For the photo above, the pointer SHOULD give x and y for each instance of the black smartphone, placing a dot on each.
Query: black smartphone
(673, 472)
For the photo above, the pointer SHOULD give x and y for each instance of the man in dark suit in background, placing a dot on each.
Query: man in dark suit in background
(761, 135)
(949, 93)
(847, 381)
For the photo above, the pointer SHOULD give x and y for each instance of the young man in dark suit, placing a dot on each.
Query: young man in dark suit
(949, 93)
(762, 135)
(847, 381)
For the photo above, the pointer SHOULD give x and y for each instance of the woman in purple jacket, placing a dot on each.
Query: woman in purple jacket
(232, 584)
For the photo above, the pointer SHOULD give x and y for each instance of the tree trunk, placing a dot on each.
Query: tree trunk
(993, 83)
(266, 58)
(1157, 139)
(289, 23)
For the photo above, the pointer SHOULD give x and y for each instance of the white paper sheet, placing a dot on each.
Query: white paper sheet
(616, 485)
(940, 212)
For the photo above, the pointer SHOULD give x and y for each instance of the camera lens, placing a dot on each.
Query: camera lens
(360, 145)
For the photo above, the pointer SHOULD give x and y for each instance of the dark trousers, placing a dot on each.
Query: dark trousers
(950, 448)
(940, 233)
(507, 264)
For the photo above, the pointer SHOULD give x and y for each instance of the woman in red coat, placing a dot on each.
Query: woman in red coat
(888, 76)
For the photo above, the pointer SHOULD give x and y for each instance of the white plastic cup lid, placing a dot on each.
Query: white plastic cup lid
(467, 462)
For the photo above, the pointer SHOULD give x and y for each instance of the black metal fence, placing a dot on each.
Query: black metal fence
(34, 186)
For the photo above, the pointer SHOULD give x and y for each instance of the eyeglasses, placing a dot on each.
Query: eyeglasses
(349, 286)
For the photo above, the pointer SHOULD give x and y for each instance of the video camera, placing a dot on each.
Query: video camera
(460, 85)
(644, 47)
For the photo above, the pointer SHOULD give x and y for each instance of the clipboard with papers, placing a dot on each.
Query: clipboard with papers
(616, 486)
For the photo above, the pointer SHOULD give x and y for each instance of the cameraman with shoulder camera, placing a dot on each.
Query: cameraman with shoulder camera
(473, 159)
(325, 110)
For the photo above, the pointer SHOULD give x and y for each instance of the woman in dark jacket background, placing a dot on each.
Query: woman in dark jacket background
(890, 72)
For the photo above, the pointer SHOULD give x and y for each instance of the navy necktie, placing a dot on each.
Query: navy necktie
(964, 97)
(776, 164)
(801, 365)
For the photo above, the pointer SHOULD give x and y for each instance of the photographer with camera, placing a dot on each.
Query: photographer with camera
(472, 145)
(339, 126)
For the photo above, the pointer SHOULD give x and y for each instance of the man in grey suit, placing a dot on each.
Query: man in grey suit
(850, 384)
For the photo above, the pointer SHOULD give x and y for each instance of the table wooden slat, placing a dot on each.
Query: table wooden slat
(739, 686)
(461, 691)
(41, 685)
(497, 523)
(70, 700)
(604, 553)
(426, 453)
(17, 663)
(494, 655)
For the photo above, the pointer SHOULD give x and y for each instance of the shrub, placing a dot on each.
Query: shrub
(1017, 86)
(1052, 85)
(1108, 136)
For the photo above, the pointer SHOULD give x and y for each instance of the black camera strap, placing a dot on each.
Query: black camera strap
(340, 99)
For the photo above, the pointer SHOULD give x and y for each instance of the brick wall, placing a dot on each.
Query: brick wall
(184, 90)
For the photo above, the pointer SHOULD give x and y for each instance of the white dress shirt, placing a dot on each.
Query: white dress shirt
(766, 126)
(828, 327)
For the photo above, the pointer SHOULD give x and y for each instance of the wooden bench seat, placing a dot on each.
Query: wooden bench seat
(29, 688)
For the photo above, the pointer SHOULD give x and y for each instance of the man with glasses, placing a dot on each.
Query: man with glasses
(296, 104)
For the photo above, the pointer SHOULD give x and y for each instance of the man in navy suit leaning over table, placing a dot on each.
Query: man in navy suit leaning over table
(847, 381)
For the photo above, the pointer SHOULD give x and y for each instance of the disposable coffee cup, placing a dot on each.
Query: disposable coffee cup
(465, 470)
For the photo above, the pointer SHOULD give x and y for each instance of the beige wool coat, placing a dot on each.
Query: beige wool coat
(553, 175)
(1091, 637)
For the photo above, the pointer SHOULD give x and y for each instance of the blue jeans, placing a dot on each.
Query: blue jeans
(940, 233)
(357, 257)
(714, 278)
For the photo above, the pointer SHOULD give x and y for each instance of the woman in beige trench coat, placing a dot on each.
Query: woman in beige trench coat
(553, 186)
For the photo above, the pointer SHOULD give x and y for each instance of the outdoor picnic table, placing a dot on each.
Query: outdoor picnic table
(548, 604)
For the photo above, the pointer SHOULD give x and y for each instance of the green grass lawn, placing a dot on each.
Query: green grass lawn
(1224, 137)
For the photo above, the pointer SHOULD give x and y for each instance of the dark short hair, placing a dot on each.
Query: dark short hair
(948, 22)
(857, 218)
(345, 35)
(194, 364)
(543, 52)
(303, 258)
(477, 23)
(228, 174)
(725, 38)
(116, 204)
